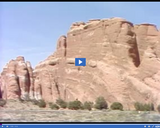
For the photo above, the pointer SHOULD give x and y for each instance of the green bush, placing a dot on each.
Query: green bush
(147, 107)
(54, 106)
(152, 107)
(88, 105)
(75, 105)
(117, 106)
(35, 102)
(138, 106)
(143, 107)
(158, 108)
(41, 104)
(61, 103)
(2, 102)
(101, 103)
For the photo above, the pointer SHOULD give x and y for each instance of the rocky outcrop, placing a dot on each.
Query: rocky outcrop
(123, 64)
(17, 79)
(120, 56)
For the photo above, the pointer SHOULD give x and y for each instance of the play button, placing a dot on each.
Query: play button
(80, 61)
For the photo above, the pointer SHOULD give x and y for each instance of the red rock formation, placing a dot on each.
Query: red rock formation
(123, 64)
(31, 80)
(16, 79)
(116, 52)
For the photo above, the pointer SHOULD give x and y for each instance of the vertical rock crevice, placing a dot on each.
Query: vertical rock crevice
(62, 46)
(57, 87)
(134, 53)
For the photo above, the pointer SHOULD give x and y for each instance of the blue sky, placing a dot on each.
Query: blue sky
(31, 29)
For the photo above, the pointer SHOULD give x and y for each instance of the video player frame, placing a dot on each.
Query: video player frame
(102, 72)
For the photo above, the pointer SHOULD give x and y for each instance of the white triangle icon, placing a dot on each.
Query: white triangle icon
(80, 61)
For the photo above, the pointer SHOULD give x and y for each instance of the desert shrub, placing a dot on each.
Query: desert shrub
(21, 100)
(2, 102)
(25, 100)
(147, 107)
(158, 108)
(117, 106)
(41, 103)
(35, 102)
(152, 107)
(138, 106)
(54, 106)
(75, 105)
(143, 107)
(50, 103)
(61, 103)
(88, 105)
(101, 103)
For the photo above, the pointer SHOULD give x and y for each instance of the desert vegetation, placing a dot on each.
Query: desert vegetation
(117, 106)
(99, 104)
(158, 108)
(87, 111)
(75, 105)
(2, 102)
(61, 103)
(143, 107)
(88, 105)
(53, 106)
(40, 103)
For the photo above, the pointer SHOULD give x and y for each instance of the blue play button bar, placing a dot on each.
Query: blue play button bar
(80, 61)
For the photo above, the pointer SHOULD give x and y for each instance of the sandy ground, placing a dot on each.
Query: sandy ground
(27, 112)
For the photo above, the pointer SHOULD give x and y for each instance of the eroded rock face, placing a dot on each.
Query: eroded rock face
(123, 64)
(16, 79)
(31, 80)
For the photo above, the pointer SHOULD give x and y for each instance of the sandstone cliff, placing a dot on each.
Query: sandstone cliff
(17, 79)
(123, 64)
